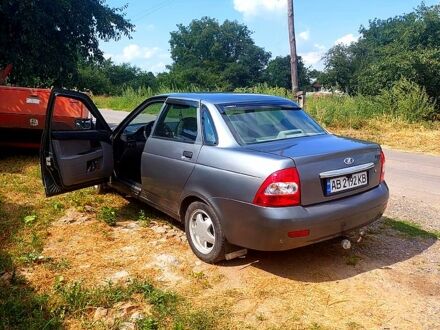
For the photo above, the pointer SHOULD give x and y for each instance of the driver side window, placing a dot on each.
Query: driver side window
(178, 123)
(147, 116)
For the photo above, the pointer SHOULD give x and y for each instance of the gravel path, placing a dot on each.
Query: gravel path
(414, 181)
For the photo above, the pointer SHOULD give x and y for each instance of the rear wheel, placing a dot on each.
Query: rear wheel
(204, 233)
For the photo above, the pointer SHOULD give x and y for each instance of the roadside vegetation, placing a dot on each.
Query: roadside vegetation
(403, 117)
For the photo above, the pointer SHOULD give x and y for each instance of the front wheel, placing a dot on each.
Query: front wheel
(204, 233)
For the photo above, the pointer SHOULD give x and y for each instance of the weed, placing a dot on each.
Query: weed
(352, 260)
(201, 278)
(148, 323)
(144, 221)
(57, 206)
(59, 265)
(108, 215)
(29, 219)
(410, 229)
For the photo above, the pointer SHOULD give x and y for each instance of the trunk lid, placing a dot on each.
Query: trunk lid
(320, 158)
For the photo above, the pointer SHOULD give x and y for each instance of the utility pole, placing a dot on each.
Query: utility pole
(292, 42)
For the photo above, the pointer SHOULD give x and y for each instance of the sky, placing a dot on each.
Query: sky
(319, 25)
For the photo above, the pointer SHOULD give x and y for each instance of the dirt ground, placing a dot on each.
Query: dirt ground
(387, 281)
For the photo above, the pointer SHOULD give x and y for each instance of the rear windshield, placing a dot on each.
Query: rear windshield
(255, 124)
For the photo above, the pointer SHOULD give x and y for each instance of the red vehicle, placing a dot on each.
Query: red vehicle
(23, 112)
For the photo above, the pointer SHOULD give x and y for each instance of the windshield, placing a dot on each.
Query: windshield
(254, 124)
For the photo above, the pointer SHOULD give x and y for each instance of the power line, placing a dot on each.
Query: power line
(152, 10)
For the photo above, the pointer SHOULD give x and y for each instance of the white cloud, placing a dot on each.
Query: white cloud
(158, 67)
(130, 52)
(304, 35)
(314, 57)
(347, 39)
(134, 52)
(148, 58)
(251, 8)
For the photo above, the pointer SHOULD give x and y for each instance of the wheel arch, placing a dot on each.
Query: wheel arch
(188, 200)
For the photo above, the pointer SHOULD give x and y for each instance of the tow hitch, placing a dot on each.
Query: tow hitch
(346, 242)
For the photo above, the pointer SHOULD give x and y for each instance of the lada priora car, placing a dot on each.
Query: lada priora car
(242, 170)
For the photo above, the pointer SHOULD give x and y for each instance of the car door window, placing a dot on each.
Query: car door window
(71, 115)
(147, 116)
(179, 122)
(209, 133)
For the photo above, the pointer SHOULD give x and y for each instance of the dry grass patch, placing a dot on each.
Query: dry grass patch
(396, 134)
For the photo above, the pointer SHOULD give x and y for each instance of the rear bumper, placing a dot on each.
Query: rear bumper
(265, 228)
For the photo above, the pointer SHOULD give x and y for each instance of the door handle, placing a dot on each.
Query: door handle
(187, 154)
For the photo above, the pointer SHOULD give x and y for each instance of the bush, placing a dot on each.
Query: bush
(407, 101)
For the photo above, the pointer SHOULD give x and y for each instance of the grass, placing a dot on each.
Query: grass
(108, 215)
(410, 229)
(25, 217)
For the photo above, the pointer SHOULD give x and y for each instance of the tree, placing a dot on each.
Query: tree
(340, 68)
(278, 73)
(402, 47)
(45, 40)
(210, 55)
(108, 78)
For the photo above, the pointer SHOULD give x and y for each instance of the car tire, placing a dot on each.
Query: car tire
(209, 227)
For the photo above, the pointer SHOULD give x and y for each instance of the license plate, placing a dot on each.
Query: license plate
(346, 182)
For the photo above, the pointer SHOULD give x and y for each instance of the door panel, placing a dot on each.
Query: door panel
(170, 154)
(76, 148)
(80, 161)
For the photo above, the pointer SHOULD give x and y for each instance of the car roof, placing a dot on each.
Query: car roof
(225, 98)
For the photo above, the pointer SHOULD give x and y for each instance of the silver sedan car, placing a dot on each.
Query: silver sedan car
(239, 170)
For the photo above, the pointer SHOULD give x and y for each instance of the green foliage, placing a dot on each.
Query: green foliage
(29, 219)
(109, 78)
(211, 55)
(148, 323)
(265, 89)
(407, 101)
(131, 98)
(143, 219)
(108, 215)
(402, 47)
(340, 69)
(58, 33)
(277, 73)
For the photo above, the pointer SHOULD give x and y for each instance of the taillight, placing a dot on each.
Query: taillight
(281, 188)
(382, 166)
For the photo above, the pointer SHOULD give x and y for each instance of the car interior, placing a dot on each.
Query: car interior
(179, 123)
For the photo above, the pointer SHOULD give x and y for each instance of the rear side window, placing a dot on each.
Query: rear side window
(209, 133)
(263, 123)
(179, 122)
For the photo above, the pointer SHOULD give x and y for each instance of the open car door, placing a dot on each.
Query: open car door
(76, 149)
